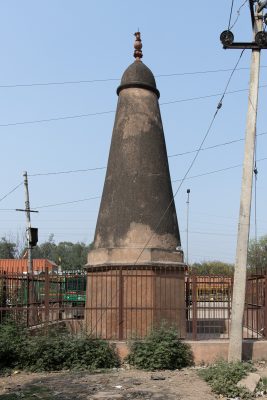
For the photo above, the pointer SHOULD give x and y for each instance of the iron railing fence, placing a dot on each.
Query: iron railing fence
(125, 302)
(208, 305)
(42, 297)
(255, 315)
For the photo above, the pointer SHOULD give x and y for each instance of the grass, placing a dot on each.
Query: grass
(31, 392)
(223, 378)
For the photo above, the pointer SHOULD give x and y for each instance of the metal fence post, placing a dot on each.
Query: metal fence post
(194, 307)
(265, 307)
(121, 305)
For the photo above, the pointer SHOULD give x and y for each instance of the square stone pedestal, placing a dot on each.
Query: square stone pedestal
(125, 302)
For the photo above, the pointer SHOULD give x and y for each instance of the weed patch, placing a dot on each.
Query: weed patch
(161, 349)
(52, 352)
(223, 378)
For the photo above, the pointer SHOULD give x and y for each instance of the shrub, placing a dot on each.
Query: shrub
(223, 377)
(161, 349)
(53, 352)
(12, 340)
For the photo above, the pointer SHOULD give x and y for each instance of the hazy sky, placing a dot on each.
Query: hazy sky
(83, 40)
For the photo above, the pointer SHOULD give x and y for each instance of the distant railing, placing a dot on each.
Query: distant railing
(208, 306)
(42, 297)
(255, 315)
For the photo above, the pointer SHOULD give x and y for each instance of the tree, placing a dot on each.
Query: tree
(257, 255)
(7, 248)
(70, 256)
(66, 254)
(213, 268)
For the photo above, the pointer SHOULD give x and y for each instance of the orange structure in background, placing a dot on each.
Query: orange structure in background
(20, 265)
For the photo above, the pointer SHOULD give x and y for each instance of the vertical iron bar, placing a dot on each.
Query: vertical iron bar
(46, 299)
(265, 306)
(121, 305)
(194, 307)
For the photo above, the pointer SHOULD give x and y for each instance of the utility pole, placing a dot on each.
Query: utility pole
(32, 238)
(32, 233)
(240, 275)
(28, 218)
(187, 227)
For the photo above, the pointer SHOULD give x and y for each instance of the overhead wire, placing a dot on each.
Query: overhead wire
(67, 202)
(11, 191)
(67, 172)
(98, 197)
(238, 15)
(45, 120)
(81, 81)
(169, 156)
(230, 17)
(217, 170)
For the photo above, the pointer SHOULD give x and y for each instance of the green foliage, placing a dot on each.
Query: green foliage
(257, 254)
(12, 340)
(66, 254)
(52, 352)
(262, 385)
(223, 377)
(213, 268)
(7, 248)
(161, 349)
(70, 256)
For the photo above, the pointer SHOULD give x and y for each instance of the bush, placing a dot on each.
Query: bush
(53, 352)
(12, 340)
(161, 349)
(223, 377)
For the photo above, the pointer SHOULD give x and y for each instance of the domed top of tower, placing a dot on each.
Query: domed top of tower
(138, 75)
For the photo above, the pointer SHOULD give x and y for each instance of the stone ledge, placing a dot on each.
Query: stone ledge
(132, 255)
(210, 351)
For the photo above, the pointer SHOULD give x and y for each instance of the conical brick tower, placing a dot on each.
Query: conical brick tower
(135, 269)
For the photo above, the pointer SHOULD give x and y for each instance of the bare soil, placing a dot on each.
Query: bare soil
(118, 384)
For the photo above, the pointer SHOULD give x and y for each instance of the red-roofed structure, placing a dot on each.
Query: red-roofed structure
(21, 265)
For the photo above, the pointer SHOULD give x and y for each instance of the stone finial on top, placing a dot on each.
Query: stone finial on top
(138, 46)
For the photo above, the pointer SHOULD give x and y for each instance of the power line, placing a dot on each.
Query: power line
(217, 170)
(68, 172)
(176, 180)
(67, 202)
(39, 121)
(237, 16)
(11, 191)
(212, 233)
(170, 156)
(208, 148)
(81, 81)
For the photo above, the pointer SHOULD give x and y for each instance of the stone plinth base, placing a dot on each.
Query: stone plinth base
(125, 302)
(210, 351)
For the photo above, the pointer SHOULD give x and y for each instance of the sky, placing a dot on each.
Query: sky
(65, 58)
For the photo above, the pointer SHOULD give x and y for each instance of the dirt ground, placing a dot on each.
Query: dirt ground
(118, 384)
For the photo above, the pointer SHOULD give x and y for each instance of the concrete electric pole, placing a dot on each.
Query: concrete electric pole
(32, 239)
(32, 233)
(240, 275)
(28, 217)
(187, 227)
